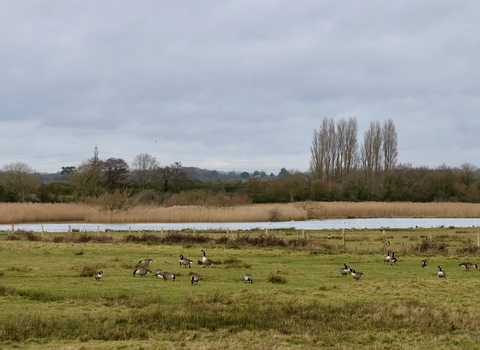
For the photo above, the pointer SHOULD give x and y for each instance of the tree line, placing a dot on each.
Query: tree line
(341, 169)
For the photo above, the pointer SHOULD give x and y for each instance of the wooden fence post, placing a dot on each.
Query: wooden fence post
(384, 240)
(98, 230)
(42, 231)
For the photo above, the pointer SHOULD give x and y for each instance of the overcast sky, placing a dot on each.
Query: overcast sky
(235, 85)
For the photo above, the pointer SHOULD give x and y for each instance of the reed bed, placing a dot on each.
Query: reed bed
(61, 212)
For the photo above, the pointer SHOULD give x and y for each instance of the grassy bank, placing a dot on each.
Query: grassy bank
(49, 300)
(31, 212)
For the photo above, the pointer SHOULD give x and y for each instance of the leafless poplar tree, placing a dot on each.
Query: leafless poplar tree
(349, 144)
(334, 149)
(371, 152)
(390, 152)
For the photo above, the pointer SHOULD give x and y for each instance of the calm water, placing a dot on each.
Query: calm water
(307, 225)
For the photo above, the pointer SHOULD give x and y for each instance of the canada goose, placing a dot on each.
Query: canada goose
(98, 275)
(157, 271)
(393, 260)
(468, 266)
(184, 261)
(145, 261)
(357, 275)
(166, 275)
(195, 278)
(441, 273)
(248, 278)
(207, 262)
(141, 271)
(329, 236)
(400, 243)
(344, 271)
(424, 263)
(387, 258)
(386, 242)
(309, 237)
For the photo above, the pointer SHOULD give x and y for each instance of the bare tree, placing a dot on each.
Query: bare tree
(144, 167)
(371, 150)
(324, 151)
(389, 138)
(351, 146)
(87, 179)
(296, 184)
(20, 182)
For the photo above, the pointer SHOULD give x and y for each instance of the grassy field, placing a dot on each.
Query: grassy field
(298, 298)
(15, 213)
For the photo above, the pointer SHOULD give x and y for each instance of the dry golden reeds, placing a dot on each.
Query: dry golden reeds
(43, 213)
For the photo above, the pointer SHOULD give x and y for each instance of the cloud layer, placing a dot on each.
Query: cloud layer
(234, 85)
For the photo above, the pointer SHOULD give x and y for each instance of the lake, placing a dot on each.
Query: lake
(307, 225)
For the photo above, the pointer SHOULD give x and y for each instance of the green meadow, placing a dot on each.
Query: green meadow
(299, 300)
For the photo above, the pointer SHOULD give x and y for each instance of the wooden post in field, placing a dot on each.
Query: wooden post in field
(266, 231)
(343, 238)
(384, 242)
(194, 231)
(478, 239)
(69, 228)
(430, 236)
(129, 230)
(162, 231)
(98, 230)
(227, 232)
(42, 231)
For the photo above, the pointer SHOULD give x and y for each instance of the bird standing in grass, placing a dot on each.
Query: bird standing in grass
(166, 275)
(97, 275)
(441, 273)
(185, 261)
(206, 261)
(424, 263)
(248, 278)
(141, 271)
(387, 258)
(145, 261)
(344, 271)
(357, 275)
(195, 278)
(393, 260)
(468, 266)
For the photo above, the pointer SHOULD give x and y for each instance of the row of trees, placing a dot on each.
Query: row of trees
(335, 152)
(92, 178)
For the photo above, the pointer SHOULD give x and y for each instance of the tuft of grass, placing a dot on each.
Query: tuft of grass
(274, 278)
(233, 262)
(88, 271)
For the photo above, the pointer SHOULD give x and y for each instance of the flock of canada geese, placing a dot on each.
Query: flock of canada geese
(142, 271)
(392, 260)
(344, 271)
